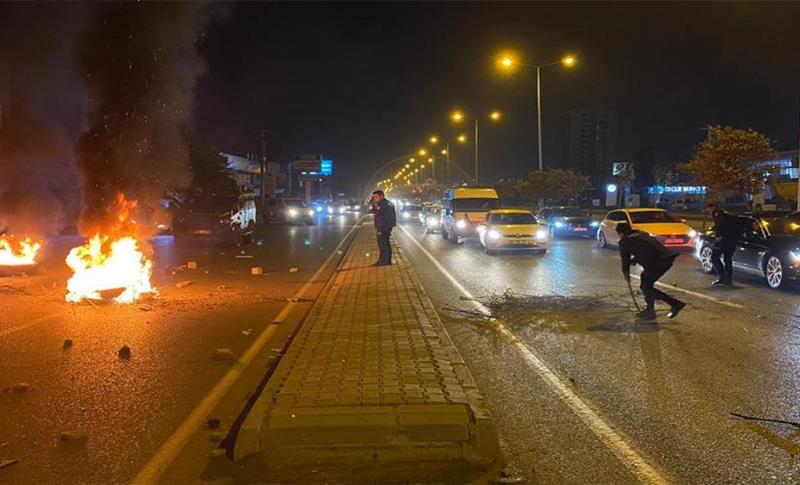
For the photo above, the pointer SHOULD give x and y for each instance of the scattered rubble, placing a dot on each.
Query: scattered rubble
(124, 352)
(294, 269)
(256, 270)
(222, 287)
(68, 344)
(73, 438)
(191, 265)
(213, 423)
(4, 462)
(183, 284)
(292, 299)
(244, 256)
(222, 354)
(247, 332)
(21, 387)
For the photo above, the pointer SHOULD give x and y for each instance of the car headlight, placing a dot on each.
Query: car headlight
(433, 221)
(342, 209)
(795, 255)
(493, 234)
(692, 234)
(406, 215)
(310, 212)
(594, 224)
(330, 210)
(292, 212)
(541, 234)
(319, 208)
(559, 224)
(461, 224)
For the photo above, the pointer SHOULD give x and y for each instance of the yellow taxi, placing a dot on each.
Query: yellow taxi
(669, 231)
(512, 229)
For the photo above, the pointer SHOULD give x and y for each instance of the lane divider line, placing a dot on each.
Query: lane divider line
(624, 452)
(169, 450)
(695, 293)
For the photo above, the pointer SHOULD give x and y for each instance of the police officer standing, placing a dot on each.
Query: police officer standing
(643, 249)
(385, 220)
(727, 231)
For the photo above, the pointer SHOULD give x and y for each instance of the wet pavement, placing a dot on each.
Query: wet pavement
(128, 407)
(583, 394)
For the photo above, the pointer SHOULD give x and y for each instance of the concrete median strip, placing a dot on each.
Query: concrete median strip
(371, 385)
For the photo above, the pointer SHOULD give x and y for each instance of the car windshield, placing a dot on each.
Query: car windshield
(569, 212)
(647, 217)
(412, 207)
(295, 203)
(517, 218)
(784, 225)
(475, 205)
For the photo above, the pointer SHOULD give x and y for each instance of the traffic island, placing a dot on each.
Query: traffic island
(371, 390)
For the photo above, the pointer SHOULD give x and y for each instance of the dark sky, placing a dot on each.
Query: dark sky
(363, 83)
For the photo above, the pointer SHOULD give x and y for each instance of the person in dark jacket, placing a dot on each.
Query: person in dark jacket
(636, 247)
(385, 220)
(727, 232)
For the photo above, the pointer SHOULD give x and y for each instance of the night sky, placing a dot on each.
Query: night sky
(363, 83)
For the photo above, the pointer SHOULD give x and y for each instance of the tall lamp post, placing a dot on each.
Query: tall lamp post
(507, 62)
(457, 117)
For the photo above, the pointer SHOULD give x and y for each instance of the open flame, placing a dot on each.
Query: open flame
(111, 263)
(18, 253)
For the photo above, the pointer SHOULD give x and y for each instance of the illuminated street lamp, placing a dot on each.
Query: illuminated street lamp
(508, 62)
(462, 138)
(422, 152)
(493, 116)
(434, 140)
(457, 116)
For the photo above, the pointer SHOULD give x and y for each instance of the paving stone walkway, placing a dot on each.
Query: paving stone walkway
(371, 377)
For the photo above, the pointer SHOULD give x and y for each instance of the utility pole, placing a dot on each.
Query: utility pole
(263, 170)
(447, 162)
(476, 151)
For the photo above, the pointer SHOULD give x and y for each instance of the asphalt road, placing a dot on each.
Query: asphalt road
(582, 394)
(128, 408)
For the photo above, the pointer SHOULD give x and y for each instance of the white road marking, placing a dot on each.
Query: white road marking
(163, 458)
(29, 323)
(695, 293)
(624, 452)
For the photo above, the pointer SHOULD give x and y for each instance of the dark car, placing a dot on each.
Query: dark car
(770, 247)
(568, 221)
(218, 218)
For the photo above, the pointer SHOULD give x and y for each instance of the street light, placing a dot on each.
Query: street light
(434, 140)
(422, 152)
(457, 116)
(507, 62)
(462, 138)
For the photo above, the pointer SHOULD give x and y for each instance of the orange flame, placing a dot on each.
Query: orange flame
(111, 260)
(14, 253)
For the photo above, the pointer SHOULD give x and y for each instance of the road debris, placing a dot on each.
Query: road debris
(766, 420)
(294, 269)
(73, 438)
(21, 387)
(292, 299)
(216, 436)
(244, 256)
(247, 332)
(222, 287)
(146, 308)
(213, 423)
(222, 354)
(4, 462)
(124, 352)
(256, 270)
(191, 265)
(68, 344)
(183, 284)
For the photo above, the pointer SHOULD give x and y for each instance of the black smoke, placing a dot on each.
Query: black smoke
(140, 63)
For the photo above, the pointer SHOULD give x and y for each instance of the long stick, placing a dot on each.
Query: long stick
(632, 296)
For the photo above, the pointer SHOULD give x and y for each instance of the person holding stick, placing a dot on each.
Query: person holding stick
(636, 247)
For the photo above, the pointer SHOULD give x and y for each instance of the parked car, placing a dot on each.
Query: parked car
(290, 210)
(512, 229)
(671, 232)
(571, 221)
(464, 208)
(770, 247)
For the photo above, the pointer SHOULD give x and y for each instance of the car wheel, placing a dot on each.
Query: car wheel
(773, 271)
(601, 239)
(706, 264)
(445, 236)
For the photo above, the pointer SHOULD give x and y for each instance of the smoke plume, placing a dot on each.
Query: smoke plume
(42, 112)
(140, 63)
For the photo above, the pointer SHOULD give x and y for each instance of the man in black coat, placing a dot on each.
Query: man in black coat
(385, 220)
(728, 229)
(639, 248)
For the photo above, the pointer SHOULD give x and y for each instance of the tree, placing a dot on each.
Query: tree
(726, 161)
(545, 185)
(662, 175)
(507, 188)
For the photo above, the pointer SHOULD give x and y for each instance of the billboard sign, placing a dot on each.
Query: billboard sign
(326, 167)
(618, 168)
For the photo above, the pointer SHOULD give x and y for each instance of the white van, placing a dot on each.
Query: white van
(464, 209)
